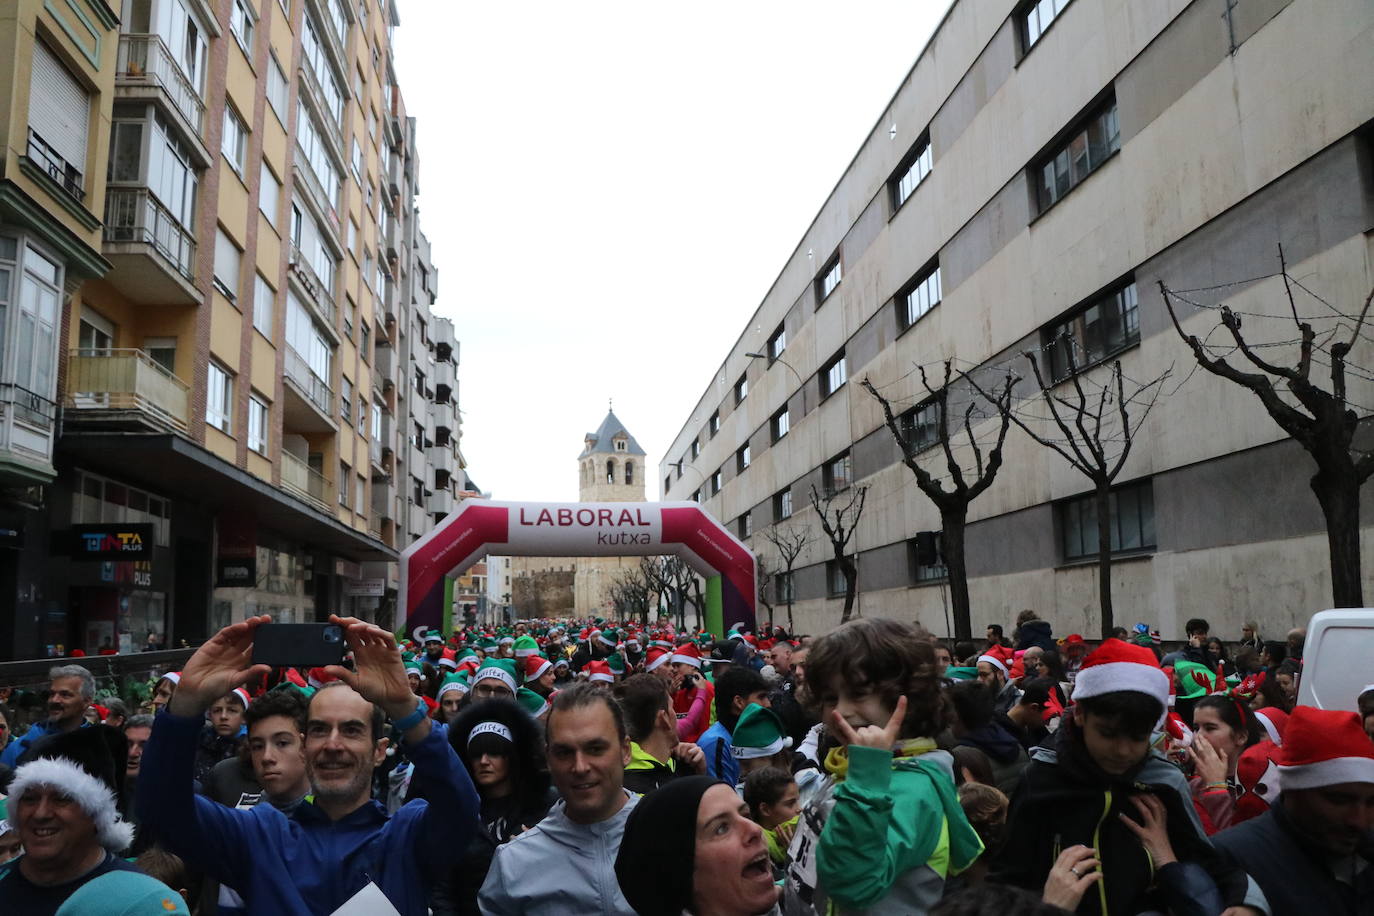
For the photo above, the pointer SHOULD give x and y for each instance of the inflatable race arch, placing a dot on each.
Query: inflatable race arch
(478, 527)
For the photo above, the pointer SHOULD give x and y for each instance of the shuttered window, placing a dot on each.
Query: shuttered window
(59, 113)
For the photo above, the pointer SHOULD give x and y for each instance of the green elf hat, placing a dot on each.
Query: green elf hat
(458, 682)
(525, 646)
(609, 637)
(1188, 686)
(955, 673)
(433, 636)
(531, 702)
(758, 733)
(616, 664)
(5, 826)
(466, 658)
(486, 644)
(414, 667)
(500, 669)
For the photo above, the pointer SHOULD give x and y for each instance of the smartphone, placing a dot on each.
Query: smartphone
(299, 645)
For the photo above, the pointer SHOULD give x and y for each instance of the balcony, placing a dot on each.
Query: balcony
(146, 70)
(440, 502)
(47, 160)
(415, 461)
(312, 83)
(27, 422)
(444, 372)
(383, 366)
(442, 415)
(152, 253)
(318, 291)
(441, 458)
(124, 390)
(305, 483)
(309, 405)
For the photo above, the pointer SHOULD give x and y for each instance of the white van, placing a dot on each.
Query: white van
(1338, 658)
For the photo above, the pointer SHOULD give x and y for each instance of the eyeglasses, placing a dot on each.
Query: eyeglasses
(487, 691)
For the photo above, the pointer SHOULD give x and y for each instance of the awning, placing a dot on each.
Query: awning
(176, 467)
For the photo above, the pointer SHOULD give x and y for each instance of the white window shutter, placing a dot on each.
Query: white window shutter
(59, 107)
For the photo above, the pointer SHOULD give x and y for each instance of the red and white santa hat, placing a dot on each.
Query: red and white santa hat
(535, 666)
(600, 671)
(688, 654)
(1117, 666)
(242, 696)
(1274, 721)
(657, 656)
(1324, 747)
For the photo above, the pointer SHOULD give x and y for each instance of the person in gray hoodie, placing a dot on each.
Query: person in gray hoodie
(566, 862)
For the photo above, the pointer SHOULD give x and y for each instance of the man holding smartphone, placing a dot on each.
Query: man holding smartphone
(340, 842)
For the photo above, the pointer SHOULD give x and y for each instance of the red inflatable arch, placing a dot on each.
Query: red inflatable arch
(479, 527)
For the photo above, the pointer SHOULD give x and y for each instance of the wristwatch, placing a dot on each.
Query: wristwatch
(412, 720)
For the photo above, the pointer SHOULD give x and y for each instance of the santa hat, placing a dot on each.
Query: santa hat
(995, 662)
(242, 696)
(688, 654)
(448, 659)
(1118, 666)
(1273, 720)
(562, 662)
(657, 656)
(173, 676)
(525, 646)
(1178, 730)
(599, 671)
(454, 682)
(499, 669)
(758, 733)
(1324, 747)
(535, 666)
(318, 677)
(85, 765)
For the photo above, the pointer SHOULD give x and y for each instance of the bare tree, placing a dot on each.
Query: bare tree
(789, 543)
(630, 592)
(680, 586)
(839, 517)
(953, 502)
(1324, 422)
(763, 570)
(1095, 432)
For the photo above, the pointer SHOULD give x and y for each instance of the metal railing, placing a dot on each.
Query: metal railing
(43, 155)
(25, 406)
(306, 483)
(321, 293)
(125, 676)
(145, 60)
(315, 388)
(135, 215)
(117, 379)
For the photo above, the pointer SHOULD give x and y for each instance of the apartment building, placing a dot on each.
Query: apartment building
(1040, 168)
(223, 368)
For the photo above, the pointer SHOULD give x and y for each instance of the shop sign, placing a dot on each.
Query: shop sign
(364, 588)
(112, 542)
(236, 572)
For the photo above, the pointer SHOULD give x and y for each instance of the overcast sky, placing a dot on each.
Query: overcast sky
(611, 188)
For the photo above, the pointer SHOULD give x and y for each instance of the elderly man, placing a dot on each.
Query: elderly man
(339, 844)
(784, 695)
(62, 806)
(70, 690)
(566, 862)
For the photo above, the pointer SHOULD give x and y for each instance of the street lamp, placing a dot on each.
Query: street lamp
(778, 359)
(678, 464)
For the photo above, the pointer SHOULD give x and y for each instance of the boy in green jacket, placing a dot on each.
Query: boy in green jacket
(887, 830)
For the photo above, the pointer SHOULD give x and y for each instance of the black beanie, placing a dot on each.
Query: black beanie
(658, 851)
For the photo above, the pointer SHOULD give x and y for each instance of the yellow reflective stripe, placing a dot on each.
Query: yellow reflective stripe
(1097, 849)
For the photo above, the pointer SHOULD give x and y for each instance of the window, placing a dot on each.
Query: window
(696, 449)
(227, 257)
(1037, 18)
(1101, 330)
(745, 525)
(353, 237)
(34, 352)
(741, 389)
(241, 24)
(357, 160)
(742, 458)
(920, 425)
(278, 90)
(350, 314)
(377, 423)
(99, 499)
(712, 426)
(620, 445)
(829, 279)
(629, 472)
(837, 474)
(257, 424)
(234, 143)
(365, 342)
(835, 582)
(715, 483)
(219, 398)
(346, 399)
(913, 170)
(782, 505)
(161, 350)
(610, 471)
(777, 343)
(360, 495)
(313, 51)
(696, 495)
(780, 423)
(264, 298)
(59, 118)
(269, 195)
(1089, 145)
(1132, 509)
(833, 375)
(918, 297)
(362, 415)
(345, 475)
(316, 150)
(925, 563)
(782, 588)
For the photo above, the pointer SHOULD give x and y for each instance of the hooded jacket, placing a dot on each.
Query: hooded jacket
(645, 772)
(559, 867)
(1067, 800)
(1036, 633)
(1004, 752)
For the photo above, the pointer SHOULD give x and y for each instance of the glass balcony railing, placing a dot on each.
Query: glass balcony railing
(321, 292)
(146, 60)
(126, 380)
(135, 215)
(315, 388)
(304, 482)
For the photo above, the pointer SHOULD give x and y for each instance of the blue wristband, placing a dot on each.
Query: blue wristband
(412, 720)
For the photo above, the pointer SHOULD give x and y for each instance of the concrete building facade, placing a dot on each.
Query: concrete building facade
(1040, 168)
(235, 366)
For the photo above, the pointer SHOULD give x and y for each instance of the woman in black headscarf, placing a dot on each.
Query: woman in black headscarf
(500, 745)
(689, 846)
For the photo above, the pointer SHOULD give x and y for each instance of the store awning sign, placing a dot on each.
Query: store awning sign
(112, 542)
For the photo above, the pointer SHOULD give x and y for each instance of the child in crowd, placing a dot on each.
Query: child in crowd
(774, 804)
(887, 829)
(1098, 788)
(986, 809)
(1223, 729)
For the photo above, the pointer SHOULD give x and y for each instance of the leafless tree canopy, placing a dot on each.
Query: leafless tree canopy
(839, 514)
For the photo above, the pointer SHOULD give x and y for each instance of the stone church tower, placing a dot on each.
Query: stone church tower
(611, 468)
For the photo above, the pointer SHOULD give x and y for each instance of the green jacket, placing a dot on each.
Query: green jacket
(885, 839)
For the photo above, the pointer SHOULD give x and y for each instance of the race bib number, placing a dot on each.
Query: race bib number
(248, 800)
(802, 855)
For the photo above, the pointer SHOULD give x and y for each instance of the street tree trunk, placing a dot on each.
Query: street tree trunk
(851, 586)
(953, 520)
(1103, 498)
(1338, 492)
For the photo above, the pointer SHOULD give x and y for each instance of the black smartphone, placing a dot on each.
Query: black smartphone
(299, 645)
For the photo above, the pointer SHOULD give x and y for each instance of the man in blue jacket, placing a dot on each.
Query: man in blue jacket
(340, 841)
